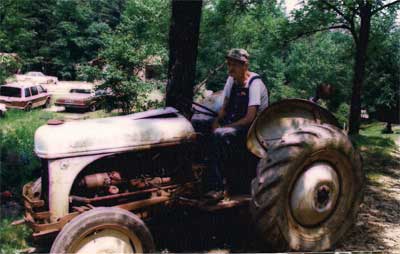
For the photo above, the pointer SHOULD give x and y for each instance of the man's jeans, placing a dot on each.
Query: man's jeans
(223, 144)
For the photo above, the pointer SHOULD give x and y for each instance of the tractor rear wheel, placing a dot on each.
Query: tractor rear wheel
(104, 230)
(308, 190)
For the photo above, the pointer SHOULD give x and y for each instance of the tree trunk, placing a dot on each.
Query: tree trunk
(183, 41)
(359, 68)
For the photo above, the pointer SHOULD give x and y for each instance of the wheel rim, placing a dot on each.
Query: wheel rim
(315, 194)
(107, 239)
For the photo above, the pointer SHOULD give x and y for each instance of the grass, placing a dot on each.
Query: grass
(12, 238)
(379, 151)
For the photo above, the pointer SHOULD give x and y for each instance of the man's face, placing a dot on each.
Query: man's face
(236, 68)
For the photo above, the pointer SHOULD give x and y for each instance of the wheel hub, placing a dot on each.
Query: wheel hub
(315, 194)
(104, 242)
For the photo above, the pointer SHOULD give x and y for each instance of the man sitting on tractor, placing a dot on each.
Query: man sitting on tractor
(244, 96)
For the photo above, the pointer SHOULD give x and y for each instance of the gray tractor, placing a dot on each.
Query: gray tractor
(103, 179)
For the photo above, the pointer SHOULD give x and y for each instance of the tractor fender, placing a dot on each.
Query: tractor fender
(282, 117)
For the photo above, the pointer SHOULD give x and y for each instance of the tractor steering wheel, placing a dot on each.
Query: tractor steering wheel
(196, 110)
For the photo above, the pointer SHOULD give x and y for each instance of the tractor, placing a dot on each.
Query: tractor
(102, 179)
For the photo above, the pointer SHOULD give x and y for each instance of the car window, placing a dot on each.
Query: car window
(100, 92)
(10, 91)
(27, 92)
(34, 90)
(40, 89)
(84, 91)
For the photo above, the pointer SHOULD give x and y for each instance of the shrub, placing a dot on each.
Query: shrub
(88, 73)
(18, 162)
(342, 113)
(8, 66)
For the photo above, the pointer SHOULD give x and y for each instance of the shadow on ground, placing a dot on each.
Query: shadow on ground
(195, 231)
(377, 226)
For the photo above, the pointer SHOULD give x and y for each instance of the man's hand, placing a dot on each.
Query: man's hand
(247, 120)
(215, 125)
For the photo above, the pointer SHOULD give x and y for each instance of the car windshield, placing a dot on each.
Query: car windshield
(85, 91)
(35, 74)
(10, 91)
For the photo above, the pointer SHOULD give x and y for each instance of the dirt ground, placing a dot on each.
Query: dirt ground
(378, 223)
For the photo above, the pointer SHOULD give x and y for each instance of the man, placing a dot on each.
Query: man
(245, 95)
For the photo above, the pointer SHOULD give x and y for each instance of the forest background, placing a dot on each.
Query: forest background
(76, 39)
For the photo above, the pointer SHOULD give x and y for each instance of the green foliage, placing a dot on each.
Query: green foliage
(8, 66)
(383, 65)
(19, 164)
(254, 27)
(323, 58)
(127, 49)
(63, 37)
(89, 73)
(342, 113)
(12, 238)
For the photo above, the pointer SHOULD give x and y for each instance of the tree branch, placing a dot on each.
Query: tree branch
(210, 73)
(384, 6)
(337, 10)
(343, 26)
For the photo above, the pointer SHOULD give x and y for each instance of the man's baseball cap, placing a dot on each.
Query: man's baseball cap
(238, 54)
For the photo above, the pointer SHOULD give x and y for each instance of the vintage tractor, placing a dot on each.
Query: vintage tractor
(103, 178)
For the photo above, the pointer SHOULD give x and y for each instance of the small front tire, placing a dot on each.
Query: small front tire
(104, 230)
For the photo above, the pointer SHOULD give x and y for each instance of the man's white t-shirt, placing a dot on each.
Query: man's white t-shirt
(258, 93)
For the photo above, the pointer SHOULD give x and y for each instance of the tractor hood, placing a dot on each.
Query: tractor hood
(113, 134)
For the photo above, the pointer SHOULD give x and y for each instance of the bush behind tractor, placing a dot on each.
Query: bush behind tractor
(103, 178)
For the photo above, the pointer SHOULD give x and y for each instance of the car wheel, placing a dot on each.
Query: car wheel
(92, 108)
(28, 107)
(47, 104)
(104, 230)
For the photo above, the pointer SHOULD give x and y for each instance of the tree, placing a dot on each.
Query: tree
(126, 49)
(352, 16)
(382, 95)
(183, 41)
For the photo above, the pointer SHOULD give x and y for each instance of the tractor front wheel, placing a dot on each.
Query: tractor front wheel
(104, 230)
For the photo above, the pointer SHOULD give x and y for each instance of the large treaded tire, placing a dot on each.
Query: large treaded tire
(287, 159)
(92, 222)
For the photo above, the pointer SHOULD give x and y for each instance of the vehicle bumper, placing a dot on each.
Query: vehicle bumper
(74, 106)
(37, 217)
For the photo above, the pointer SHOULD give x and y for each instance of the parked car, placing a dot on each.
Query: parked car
(84, 98)
(37, 77)
(24, 96)
(3, 110)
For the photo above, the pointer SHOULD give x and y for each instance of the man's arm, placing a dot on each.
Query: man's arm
(221, 114)
(247, 120)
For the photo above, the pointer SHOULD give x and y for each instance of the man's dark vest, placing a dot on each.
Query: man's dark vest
(238, 102)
